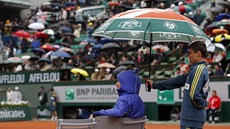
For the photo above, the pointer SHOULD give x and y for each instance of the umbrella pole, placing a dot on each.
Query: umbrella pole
(147, 85)
(151, 38)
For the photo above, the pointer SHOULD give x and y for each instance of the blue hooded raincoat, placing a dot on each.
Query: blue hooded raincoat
(129, 103)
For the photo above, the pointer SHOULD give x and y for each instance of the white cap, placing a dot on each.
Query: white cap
(172, 6)
(96, 70)
(16, 88)
(107, 70)
(180, 3)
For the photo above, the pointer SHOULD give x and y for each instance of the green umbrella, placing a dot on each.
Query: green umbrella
(151, 25)
(141, 24)
(224, 22)
(14, 60)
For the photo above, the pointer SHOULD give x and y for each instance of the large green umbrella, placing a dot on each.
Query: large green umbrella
(151, 25)
(141, 24)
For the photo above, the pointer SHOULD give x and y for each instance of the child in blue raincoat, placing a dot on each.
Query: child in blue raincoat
(129, 103)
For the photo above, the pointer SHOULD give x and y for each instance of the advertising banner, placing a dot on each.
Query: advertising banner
(17, 113)
(30, 77)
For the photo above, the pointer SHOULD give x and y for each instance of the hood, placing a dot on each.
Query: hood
(130, 83)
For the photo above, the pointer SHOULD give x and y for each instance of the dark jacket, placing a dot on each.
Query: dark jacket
(42, 97)
(196, 89)
(129, 104)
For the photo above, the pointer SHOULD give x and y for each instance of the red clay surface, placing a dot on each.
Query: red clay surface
(52, 125)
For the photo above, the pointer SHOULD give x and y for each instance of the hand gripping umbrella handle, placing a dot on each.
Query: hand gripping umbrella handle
(147, 86)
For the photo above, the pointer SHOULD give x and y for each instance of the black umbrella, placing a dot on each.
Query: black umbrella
(40, 50)
(127, 63)
(110, 46)
(44, 60)
(69, 34)
(35, 58)
(119, 69)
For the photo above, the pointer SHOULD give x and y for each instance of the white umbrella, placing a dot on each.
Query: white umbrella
(48, 31)
(46, 3)
(43, 21)
(36, 26)
(216, 47)
(161, 47)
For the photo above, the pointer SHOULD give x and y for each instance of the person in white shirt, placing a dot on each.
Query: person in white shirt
(9, 95)
(17, 95)
(108, 75)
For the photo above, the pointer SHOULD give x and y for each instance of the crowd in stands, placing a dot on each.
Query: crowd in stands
(66, 43)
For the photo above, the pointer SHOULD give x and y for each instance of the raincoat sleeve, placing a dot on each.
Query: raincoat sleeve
(197, 85)
(169, 84)
(120, 109)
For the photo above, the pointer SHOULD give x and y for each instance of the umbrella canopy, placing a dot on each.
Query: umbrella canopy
(151, 25)
(213, 25)
(97, 46)
(222, 37)
(14, 60)
(142, 24)
(224, 22)
(22, 34)
(69, 4)
(128, 62)
(10, 39)
(80, 71)
(42, 21)
(222, 16)
(44, 60)
(36, 26)
(66, 49)
(48, 31)
(41, 35)
(162, 48)
(119, 69)
(106, 65)
(216, 47)
(47, 47)
(69, 34)
(106, 40)
(219, 31)
(110, 46)
(25, 56)
(61, 54)
(65, 29)
(40, 50)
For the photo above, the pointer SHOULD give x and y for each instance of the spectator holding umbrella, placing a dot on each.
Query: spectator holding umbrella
(198, 17)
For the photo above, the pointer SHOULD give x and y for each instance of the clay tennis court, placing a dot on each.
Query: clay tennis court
(52, 125)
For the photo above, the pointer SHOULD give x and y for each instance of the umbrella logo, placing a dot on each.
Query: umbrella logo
(134, 34)
(170, 25)
(130, 24)
(169, 35)
(197, 30)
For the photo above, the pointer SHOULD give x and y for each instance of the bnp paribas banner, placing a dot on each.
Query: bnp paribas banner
(15, 114)
(29, 77)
